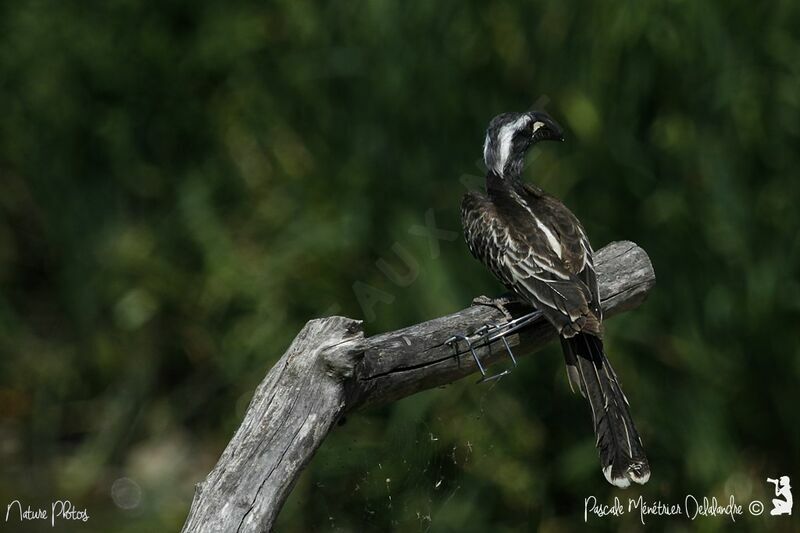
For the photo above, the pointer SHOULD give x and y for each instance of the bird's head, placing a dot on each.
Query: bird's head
(510, 135)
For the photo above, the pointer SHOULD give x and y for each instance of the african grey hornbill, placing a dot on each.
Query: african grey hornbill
(535, 245)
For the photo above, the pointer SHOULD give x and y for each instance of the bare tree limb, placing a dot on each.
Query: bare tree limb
(330, 369)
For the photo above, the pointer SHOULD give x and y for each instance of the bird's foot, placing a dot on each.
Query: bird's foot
(478, 339)
(500, 303)
(486, 335)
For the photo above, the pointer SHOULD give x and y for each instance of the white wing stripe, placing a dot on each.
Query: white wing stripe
(548, 233)
(551, 237)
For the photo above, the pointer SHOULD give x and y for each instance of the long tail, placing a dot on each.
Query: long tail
(621, 452)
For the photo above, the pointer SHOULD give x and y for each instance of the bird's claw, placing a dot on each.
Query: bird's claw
(501, 304)
(480, 338)
(486, 335)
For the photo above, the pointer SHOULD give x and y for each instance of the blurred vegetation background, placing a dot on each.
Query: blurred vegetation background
(185, 184)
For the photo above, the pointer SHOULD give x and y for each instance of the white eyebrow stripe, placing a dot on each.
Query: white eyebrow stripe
(504, 140)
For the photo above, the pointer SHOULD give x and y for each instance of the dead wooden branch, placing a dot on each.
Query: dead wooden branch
(330, 369)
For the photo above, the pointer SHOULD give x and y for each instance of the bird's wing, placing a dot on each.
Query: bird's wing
(577, 254)
(562, 296)
(483, 233)
(578, 251)
(541, 258)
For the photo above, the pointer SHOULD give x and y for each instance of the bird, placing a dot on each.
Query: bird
(538, 249)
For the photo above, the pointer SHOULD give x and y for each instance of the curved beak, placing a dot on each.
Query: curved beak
(550, 131)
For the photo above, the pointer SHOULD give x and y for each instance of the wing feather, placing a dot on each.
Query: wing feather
(557, 278)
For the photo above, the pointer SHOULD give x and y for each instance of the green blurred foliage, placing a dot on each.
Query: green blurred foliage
(184, 184)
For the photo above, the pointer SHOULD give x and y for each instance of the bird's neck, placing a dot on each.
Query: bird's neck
(501, 185)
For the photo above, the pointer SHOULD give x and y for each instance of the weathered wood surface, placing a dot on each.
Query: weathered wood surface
(330, 369)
